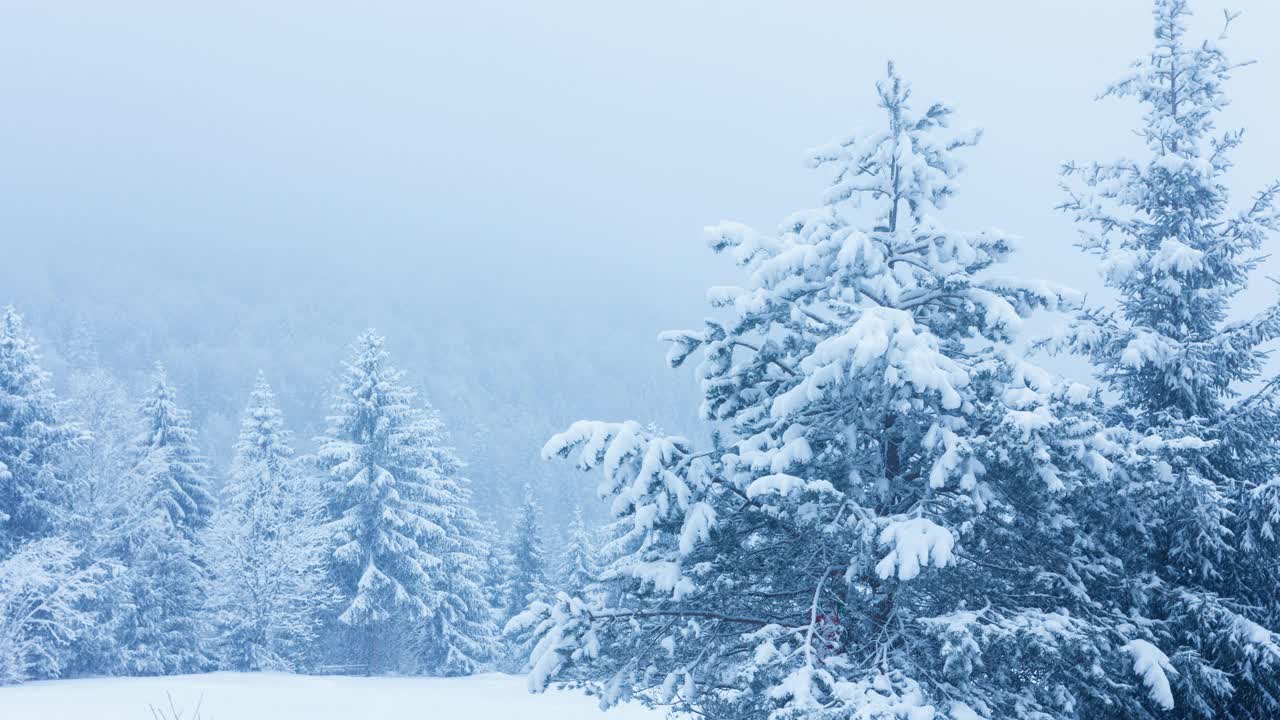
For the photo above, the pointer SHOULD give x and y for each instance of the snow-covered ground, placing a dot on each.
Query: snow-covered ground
(274, 696)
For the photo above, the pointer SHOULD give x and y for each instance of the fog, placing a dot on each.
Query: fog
(513, 192)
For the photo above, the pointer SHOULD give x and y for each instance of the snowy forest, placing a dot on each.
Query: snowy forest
(906, 461)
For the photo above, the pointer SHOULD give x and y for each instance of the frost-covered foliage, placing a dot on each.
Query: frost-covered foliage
(168, 463)
(528, 575)
(497, 561)
(46, 582)
(462, 636)
(165, 629)
(99, 469)
(33, 440)
(884, 526)
(578, 564)
(268, 585)
(527, 582)
(403, 551)
(43, 596)
(179, 585)
(105, 497)
(1194, 516)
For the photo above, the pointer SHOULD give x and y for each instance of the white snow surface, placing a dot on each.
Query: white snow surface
(281, 696)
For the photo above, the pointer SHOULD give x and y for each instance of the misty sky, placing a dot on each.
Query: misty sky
(501, 147)
(543, 164)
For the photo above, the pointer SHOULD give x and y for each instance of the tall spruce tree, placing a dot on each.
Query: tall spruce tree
(47, 583)
(527, 581)
(886, 526)
(266, 548)
(578, 568)
(528, 575)
(462, 636)
(100, 468)
(104, 499)
(166, 630)
(403, 551)
(168, 462)
(497, 561)
(34, 442)
(45, 605)
(1194, 519)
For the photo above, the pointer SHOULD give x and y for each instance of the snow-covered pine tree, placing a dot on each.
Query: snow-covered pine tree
(401, 535)
(166, 630)
(100, 468)
(1194, 521)
(462, 636)
(44, 597)
(527, 582)
(104, 499)
(618, 538)
(34, 442)
(167, 461)
(46, 581)
(497, 561)
(885, 526)
(578, 568)
(81, 346)
(269, 585)
(528, 574)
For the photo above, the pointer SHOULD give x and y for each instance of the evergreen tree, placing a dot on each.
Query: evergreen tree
(462, 635)
(100, 468)
(269, 585)
(527, 583)
(497, 561)
(528, 575)
(618, 539)
(104, 500)
(34, 442)
(578, 569)
(403, 551)
(886, 527)
(44, 595)
(168, 462)
(165, 632)
(82, 346)
(1193, 519)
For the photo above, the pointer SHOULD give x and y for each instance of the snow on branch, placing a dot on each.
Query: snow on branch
(1150, 664)
(914, 544)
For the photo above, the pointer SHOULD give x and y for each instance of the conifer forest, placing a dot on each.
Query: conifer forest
(516, 360)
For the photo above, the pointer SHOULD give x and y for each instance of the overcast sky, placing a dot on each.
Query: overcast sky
(506, 157)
